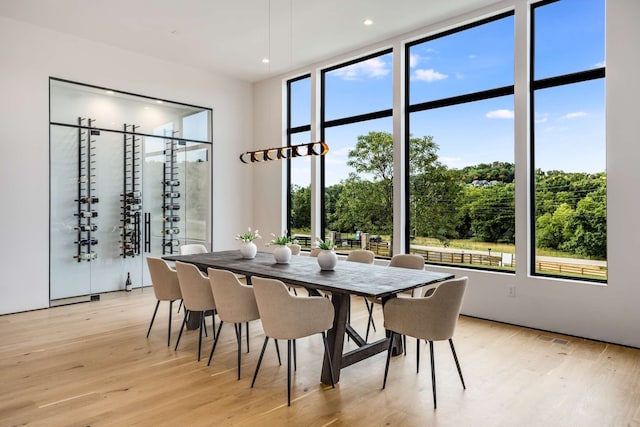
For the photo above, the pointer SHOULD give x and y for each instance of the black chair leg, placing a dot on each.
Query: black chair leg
(247, 328)
(417, 355)
(215, 342)
(278, 351)
(184, 322)
(295, 358)
(433, 375)
(169, 328)
(239, 326)
(289, 372)
(179, 306)
(326, 353)
(264, 346)
(200, 334)
(386, 367)
(455, 357)
(153, 317)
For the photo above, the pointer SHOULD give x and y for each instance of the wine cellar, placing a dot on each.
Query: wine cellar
(130, 178)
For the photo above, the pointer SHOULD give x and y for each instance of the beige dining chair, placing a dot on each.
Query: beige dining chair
(235, 303)
(286, 316)
(197, 297)
(314, 252)
(431, 318)
(412, 261)
(193, 248)
(164, 280)
(295, 249)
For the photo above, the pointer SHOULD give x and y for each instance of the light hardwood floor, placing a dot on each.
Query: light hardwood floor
(91, 365)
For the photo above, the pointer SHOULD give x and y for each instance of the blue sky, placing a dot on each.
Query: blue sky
(569, 120)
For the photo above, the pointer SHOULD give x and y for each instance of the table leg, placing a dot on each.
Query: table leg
(335, 338)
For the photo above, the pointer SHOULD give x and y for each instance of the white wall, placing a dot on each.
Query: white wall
(609, 313)
(29, 56)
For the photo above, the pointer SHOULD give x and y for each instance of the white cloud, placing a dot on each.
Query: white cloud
(429, 75)
(374, 67)
(574, 115)
(413, 60)
(500, 114)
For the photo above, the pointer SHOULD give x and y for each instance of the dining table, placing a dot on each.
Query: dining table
(346, 279)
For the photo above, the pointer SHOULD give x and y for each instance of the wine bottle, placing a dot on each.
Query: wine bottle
(172, 182)
(171, 218)
(132, 194)
(86, 242)
(172, 231)
(86, 214)
(171, 195)
(127, 284)
(172, 207)
(87, 200)
(132, 200)
(132, 207)
(172, 243)
(86, 256)
(86, 227)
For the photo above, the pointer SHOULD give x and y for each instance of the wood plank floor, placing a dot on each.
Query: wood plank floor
(91, 365)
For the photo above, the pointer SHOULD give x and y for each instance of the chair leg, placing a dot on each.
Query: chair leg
(417, 355)
(179, 307)
(386, 367)
(153, 317)
(278, 351)
(169, 328)
(239, 326)
(455, 357)
(433, 375)
(202, 324)
(404, 344)
(215, 342)
(326, 353)
(295, 358)
(247, 328)
(184, 322)
(264, 346)
(289, 372)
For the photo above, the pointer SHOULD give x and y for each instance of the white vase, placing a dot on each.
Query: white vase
(248, 250)
(327, 259)
(282, 254)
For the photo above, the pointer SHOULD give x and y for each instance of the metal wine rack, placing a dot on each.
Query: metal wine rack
(130, 233)
(86, 196)
(171, 196)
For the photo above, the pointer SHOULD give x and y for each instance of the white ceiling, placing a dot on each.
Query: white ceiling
(232, 36)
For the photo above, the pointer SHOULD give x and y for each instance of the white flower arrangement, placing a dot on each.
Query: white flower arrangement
(249, 236)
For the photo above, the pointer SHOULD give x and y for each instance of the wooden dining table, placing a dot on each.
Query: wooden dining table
(348, 278)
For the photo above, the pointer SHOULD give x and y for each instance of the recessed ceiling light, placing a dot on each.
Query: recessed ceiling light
(368, 22)
(265, 60)
(109, 92)
(158, 101)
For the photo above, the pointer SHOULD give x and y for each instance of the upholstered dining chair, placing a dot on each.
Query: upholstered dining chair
(314, 252)
(295, 249)
(235, 303)
(193, 248)
(285, 316)
(431, 318)
(164, 280)
(413, 261)
(197, 297)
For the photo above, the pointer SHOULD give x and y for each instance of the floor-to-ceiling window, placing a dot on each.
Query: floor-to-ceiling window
(569, 179)
(357, 172)
(460, 139)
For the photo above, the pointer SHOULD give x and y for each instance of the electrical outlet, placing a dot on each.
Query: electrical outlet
(511, 292)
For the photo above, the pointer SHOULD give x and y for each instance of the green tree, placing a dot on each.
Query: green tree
(301, 207)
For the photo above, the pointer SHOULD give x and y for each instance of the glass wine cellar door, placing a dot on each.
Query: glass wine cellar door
(130, 177)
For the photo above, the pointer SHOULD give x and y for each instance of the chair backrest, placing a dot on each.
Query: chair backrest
(285, 316)
(194, 248)
(407, 261)
(315, 251)
(195, 288)
(295, 249)
(164, 280)
(430, 318)
(361, 255)
(235, 302)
